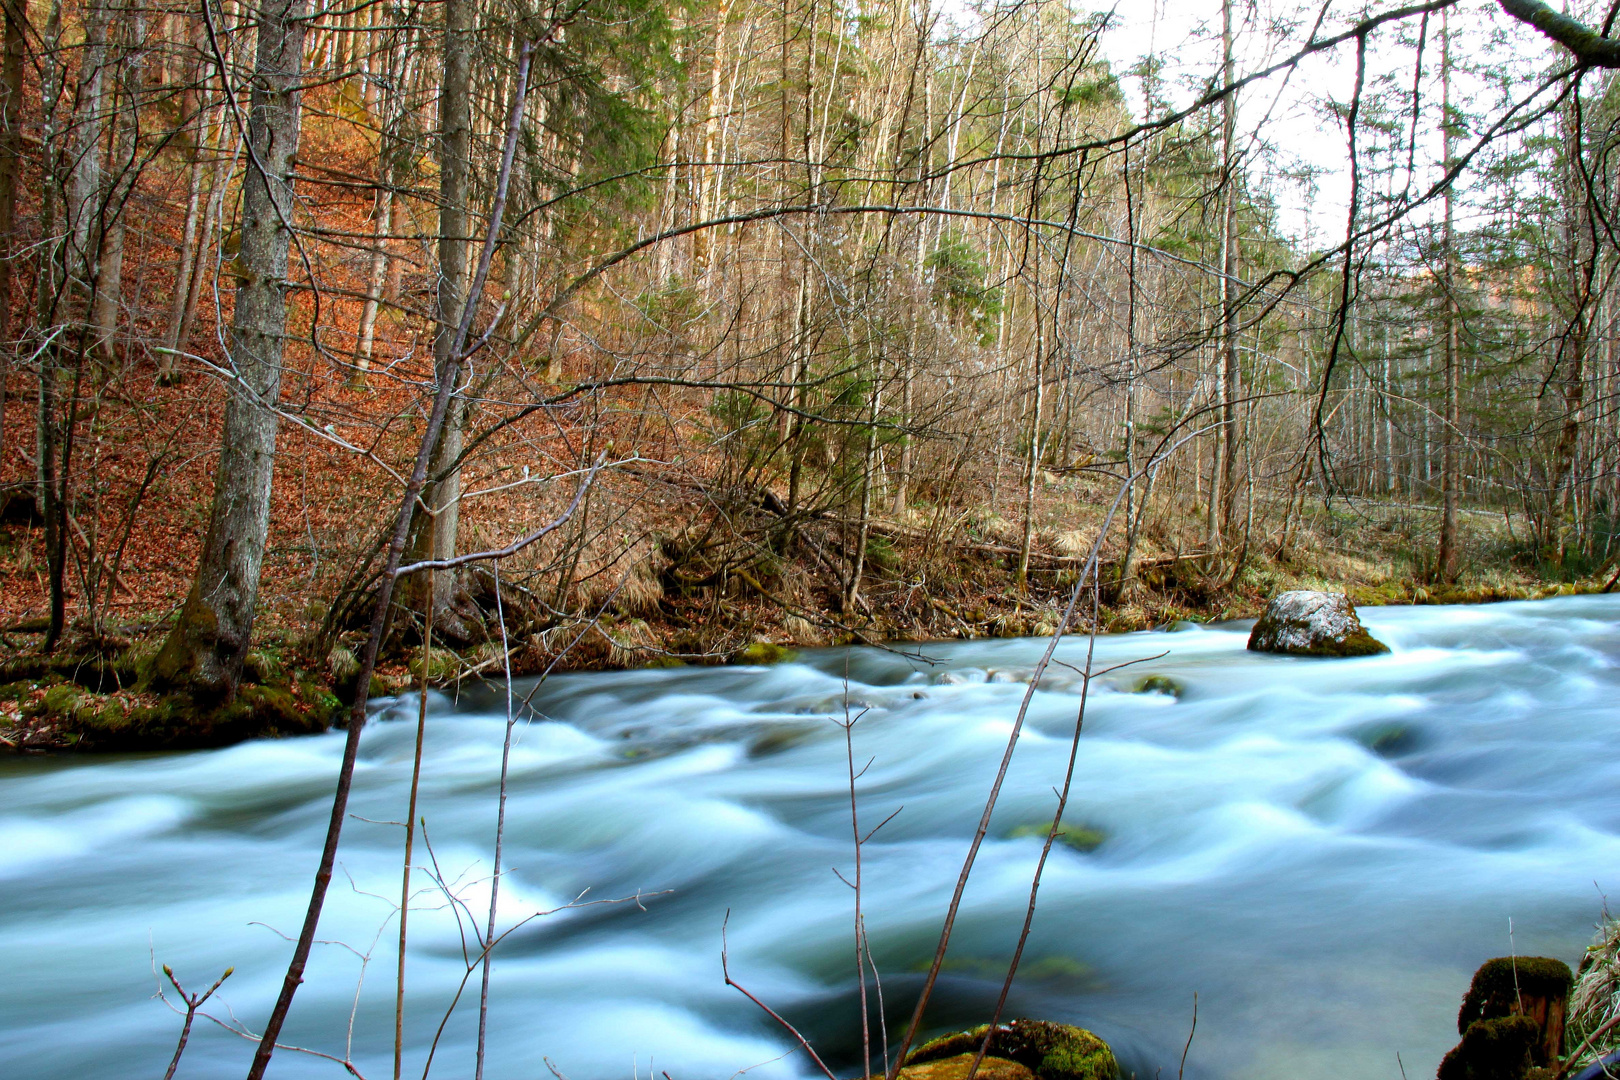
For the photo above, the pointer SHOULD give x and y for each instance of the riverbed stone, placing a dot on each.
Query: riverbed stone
(1309, 623)
(1082, 838)
(1049, 1051)
(762, 653)
(1157, 684)
(957, 1067)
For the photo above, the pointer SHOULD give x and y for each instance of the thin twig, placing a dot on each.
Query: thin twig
(725, 970)
(193, 1002)
(410, 836)
(500, 833)
(1190, 1032)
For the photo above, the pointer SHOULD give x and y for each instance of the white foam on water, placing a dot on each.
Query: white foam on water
(29, 843)
(1324, 849)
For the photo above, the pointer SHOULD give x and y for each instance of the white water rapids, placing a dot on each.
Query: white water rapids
(1322, 849)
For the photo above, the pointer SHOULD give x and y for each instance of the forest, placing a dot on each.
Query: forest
(350, 346)
(354, 352)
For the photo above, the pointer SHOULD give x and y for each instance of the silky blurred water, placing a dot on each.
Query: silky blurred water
(1321, 850)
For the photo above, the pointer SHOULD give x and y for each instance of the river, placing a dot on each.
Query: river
(1322, 850)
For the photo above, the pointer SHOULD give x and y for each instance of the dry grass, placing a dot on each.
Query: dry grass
(1594, 1001)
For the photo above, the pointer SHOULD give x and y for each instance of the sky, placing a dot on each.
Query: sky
(1185, 34)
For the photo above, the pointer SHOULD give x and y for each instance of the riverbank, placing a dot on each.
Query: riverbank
(90, 694)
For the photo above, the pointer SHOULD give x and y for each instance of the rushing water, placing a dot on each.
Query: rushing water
(1321, 850)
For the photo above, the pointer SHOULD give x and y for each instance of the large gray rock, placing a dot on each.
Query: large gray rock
(1306, 623)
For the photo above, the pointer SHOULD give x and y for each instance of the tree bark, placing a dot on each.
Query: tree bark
(11, 88)
(1446, 563)
(121, 172)
(203, 653)
(190, 240)
(435, 534)
(1225, 490)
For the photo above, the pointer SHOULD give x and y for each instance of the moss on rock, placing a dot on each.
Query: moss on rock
(262, 666)
(1082, 838)
(1051, 1051)
(763, 653)
(957, 1067)
(443, 665)
(1310, 623)
(1157, 684)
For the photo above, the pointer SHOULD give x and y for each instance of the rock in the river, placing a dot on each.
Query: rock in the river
(1049, 1051)
(763, 652)
(1306, 623)
(956, 1068)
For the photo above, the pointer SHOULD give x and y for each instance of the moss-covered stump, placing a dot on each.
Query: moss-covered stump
(1536, 987)
(1049, 1051)
(1511, 1020)
(1306, 623)
(1498, 1049)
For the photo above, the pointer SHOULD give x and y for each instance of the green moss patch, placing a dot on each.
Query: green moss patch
(1496, 1049)
(1082, 838)
(1501, 983)
(1157, 684)
(1051, 1051)
(763, 653)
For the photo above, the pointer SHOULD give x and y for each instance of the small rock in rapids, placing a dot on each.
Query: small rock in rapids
(1306, 623)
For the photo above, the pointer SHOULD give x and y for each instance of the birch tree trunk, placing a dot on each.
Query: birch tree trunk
(203, 653)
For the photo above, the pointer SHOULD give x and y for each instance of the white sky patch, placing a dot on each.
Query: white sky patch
(1295, 147)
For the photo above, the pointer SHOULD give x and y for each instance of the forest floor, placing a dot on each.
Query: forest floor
(676, 566)
(919, 587)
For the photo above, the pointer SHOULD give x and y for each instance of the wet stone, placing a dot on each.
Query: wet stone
(1306, 623)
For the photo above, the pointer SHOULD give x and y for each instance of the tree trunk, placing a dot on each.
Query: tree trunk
(1225, 490)
(191, 235)
(435, 533)
(203, 653)
(1446, 563)
(11, 88)
(374, 286)
(121, 172)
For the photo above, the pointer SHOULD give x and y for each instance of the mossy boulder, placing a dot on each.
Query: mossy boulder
(1082, 838)
(763, 653)
(1308, 623)
(1050, 1051)
(1157, 684)
(62, 701)
(1389, 739)
(139, 721)
(957, 1067)
(262, 666)
(443, 666)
